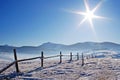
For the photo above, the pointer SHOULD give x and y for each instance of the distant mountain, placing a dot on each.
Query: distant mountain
(6, 48)
(95, 46)
(51, 46)
(59, 47)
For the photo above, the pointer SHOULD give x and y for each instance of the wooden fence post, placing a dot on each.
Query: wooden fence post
(16, 63)
(42, 59)
(77, 56)
(71, 56)
(95, 56)
(60, 57)
(82, 59)
(92, 56)
(87, 57)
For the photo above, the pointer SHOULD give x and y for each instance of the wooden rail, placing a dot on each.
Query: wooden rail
(51, 56)
(42, 60)
(7, 67)
(28, 59)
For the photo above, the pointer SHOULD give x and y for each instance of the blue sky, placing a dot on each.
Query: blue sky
(33, 22)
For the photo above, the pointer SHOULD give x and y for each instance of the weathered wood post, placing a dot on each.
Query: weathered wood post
(16, 63)
(82, 59)
(60, 57)
(70, 56)
(95, 56)
(77, 56)
(91, 56)
(42, 59)
(87, 57)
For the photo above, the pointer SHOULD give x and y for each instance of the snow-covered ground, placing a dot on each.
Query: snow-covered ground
(107, 68)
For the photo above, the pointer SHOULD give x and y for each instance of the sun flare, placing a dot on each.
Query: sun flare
(89, 14)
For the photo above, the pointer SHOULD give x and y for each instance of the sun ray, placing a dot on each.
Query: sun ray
(83, 20)
(89, 14)
(97, 6)
(91, 23)
(86, 5)
(92, 27)
(100, 17)
(81, 13)
(76, 12)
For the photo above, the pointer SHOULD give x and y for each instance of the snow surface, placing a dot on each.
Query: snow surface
(107, 68)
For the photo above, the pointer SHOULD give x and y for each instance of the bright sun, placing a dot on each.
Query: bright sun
(89, 14)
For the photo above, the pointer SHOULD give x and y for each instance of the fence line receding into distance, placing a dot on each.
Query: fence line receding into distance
(42, 60)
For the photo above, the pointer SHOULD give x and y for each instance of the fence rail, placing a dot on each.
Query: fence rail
(51, 57)
(42, 60)
(7, 67)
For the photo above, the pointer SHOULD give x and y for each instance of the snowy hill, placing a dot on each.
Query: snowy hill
(94, 69)
(61, 47)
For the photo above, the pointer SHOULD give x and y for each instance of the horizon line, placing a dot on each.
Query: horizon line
(61, 43)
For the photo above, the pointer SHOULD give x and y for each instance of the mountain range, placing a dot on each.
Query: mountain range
(61, 47)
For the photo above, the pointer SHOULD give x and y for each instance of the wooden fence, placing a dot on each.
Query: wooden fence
(42, 60)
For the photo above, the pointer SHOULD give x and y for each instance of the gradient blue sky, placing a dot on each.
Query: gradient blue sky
(33, 22)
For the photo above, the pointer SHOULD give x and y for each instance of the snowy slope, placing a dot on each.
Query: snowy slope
(106, 68)
(61, 47)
